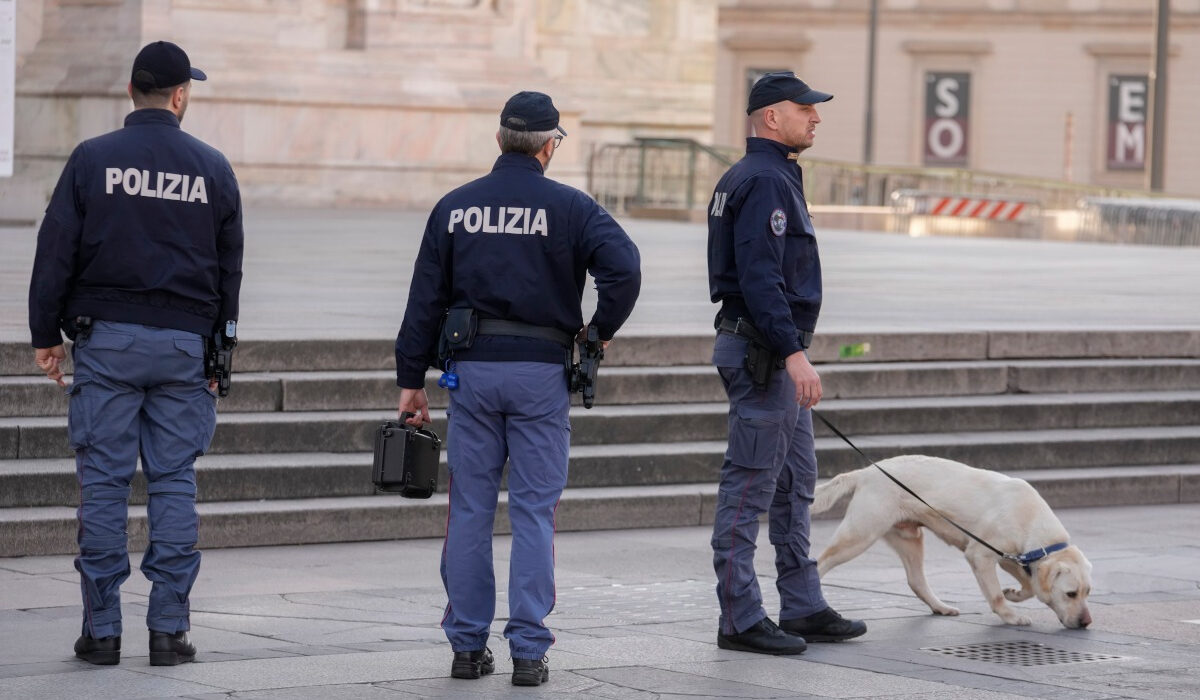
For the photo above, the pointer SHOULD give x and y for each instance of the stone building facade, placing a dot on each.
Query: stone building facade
(340, 102)
(1052, 89)
(348, 102)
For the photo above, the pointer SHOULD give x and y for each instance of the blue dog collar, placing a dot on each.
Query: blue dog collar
(1031, 556)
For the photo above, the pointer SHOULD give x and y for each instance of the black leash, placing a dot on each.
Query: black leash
(965, 531)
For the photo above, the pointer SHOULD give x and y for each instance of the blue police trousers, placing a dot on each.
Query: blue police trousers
(770, 467)
(514, 411)
(138, 391)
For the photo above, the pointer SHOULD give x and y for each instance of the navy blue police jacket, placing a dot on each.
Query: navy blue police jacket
(144, 226)
(762, 252)
(517, 246)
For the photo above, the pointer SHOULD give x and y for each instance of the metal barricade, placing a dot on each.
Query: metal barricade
(1170, 222)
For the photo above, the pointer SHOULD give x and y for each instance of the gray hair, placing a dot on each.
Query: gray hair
(527, 142)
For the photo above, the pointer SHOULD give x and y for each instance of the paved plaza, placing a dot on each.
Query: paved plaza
(635, 618)
(635, 614)
(345, 273)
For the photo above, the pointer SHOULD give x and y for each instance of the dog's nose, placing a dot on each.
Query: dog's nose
(1085, 619)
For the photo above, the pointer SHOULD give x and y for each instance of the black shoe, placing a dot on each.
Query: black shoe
(530, 671)
(170, 649)
(472, 664)
(102, 652)
(763, 638)
(825, 626)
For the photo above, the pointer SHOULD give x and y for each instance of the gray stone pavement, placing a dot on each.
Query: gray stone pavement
(635, 618)
(345, 273)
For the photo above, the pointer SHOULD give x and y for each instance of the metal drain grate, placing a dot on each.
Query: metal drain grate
(1019, 653)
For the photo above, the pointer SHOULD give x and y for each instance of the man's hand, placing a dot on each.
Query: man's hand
(581, 337)
(415, 401)
(806, 379)
(50, 360)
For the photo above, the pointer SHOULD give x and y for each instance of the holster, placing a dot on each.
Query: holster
(760, 361)
(406, 460)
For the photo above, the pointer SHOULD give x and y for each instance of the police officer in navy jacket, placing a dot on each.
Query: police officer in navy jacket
(139, 260)
(765, 272)
(515, 248)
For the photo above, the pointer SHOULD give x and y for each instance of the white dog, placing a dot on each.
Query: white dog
(1006, 513)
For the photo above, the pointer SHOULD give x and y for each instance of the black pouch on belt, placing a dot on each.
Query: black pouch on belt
(458, 332)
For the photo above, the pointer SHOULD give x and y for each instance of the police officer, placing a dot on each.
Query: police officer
(504, 260)
(139, 260)
(765, 272)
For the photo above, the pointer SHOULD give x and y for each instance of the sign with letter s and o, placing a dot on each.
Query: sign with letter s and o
(947, 118)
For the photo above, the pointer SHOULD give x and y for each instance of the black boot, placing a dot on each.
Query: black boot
(764, 637)
(102, 652)
(825, 626)
(472, 664)
(170, 649)
(530, 671)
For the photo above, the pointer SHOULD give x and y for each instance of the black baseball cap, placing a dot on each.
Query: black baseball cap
(530, 111)
(162, 65)
(781, 86)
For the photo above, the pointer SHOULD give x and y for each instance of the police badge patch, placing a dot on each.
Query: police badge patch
(778, 222)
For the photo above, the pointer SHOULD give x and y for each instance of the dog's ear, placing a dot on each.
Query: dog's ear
(1047, 573)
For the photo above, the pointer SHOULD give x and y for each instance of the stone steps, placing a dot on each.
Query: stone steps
(350, 431)
(241, 476)
(361, 390)
(1091, 418)
(51, 530)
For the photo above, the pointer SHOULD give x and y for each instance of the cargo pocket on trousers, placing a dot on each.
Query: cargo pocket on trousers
(79, 414)
(755, 435)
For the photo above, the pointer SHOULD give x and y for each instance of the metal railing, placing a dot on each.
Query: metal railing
(678, 175)
(1174, 222)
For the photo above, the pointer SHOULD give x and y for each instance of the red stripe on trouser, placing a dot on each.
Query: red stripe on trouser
(445, 541)
(732, 540)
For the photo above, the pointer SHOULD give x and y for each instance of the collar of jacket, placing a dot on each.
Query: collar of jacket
(152, 116)
(518, 160)
(757, 144)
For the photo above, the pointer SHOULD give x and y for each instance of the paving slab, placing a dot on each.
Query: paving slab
(635, 618)
(297, 288)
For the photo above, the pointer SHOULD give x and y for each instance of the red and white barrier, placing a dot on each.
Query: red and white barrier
(977, 208)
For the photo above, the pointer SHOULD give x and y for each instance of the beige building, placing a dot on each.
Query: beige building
(1044, 88)
(395, 101)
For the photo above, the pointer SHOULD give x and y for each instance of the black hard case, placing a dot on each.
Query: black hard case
(406, 460)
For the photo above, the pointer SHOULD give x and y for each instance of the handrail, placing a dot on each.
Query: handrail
(675, 173)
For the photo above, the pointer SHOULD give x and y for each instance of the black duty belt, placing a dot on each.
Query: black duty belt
(743, 328)
(495, 326)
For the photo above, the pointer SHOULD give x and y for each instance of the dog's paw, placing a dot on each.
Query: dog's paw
(946, 610)
(1017, 595)
(1018, 620)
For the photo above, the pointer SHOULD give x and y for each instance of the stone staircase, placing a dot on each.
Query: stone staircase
(1090, 418)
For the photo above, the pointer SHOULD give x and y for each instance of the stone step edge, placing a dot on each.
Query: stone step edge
(831, 405)
(257, 355)
(51, 530)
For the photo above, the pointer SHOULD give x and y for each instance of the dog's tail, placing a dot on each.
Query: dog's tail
(829, 493)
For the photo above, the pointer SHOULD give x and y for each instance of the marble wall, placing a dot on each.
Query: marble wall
(348, 102)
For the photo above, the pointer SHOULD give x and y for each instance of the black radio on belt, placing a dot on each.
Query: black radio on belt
(406, 459)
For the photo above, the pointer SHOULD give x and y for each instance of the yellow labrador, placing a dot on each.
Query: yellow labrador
(1006, 513)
